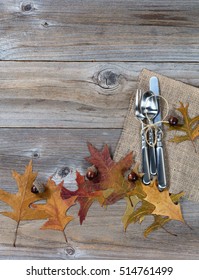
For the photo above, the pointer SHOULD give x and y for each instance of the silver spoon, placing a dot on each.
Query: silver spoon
(149, 106)
(145, 160)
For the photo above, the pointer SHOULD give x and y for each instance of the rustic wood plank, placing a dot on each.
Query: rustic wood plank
(75, 95)
(101, 236)
(99, 30)
(70, 101)
(53, 151)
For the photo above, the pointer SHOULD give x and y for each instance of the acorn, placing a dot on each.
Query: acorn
(91, 173)
(37, 187)
(132, 177)
(173, 121)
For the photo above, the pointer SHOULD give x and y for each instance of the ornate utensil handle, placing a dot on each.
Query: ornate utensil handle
(162, 184)
(145, 161)
(152, 154)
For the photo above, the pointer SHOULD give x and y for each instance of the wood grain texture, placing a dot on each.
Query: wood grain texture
(75, 95)
(51, 150)
(99, 30)
(67, 72)
(102, 237)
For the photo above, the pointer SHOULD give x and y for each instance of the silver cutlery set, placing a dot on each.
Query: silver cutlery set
(148, 112)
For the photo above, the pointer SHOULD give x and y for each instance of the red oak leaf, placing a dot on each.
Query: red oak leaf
(86, 195)
(109, 186)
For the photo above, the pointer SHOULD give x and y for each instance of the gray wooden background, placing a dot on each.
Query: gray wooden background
(67, 72)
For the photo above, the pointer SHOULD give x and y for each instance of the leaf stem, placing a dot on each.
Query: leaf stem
(194, 146)
(16, 232)
(188, 225)
(168, 231)
(69, 249)
(131, 202)
(65, 236)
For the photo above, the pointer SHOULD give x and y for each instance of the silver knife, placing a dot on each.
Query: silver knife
(161, 173)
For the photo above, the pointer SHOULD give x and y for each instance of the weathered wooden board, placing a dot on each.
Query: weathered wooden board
(67, 72)
(102, 30)
(75, 95)
(52, 151)
(102, 237)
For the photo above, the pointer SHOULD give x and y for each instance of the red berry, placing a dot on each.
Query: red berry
(91, 173)
(34, 189)
(173, 121)
(132, 177)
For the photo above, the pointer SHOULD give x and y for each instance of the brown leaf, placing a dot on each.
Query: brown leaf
(189, 128)
(162, 201)
(109, 186)
(111, 173)
(56, 208)
(85, 194)
(22, 200)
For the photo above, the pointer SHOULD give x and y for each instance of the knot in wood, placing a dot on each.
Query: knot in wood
(26, 7)
(63, 172)
(69, 250)
(36, 154)
(45, 24)
(108, 79)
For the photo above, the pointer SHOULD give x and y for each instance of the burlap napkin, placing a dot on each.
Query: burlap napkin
(182, 162)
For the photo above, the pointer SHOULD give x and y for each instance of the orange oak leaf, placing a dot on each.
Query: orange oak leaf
(162, 201)
(56, 208)
(189, 128)
(22, 200)
(160, 221)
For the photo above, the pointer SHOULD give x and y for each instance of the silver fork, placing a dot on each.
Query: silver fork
(149, 107)
(145, 159)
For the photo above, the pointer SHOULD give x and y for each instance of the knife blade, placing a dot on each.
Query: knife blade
(161, 173)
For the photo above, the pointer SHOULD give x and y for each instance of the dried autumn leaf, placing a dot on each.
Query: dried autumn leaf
(162, 201)
(111, 173)
(190, 127)
(22, 200)
(133, 215)
(176, 197)
(56, 208)
(159, 222)
(85, 194)
(109, 185)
